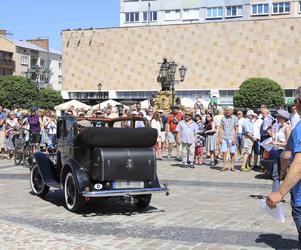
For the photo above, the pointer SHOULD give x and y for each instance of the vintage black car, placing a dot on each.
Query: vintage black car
(99, 157)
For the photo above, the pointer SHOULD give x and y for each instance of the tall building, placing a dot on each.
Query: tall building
(159, 12)
(17, 57)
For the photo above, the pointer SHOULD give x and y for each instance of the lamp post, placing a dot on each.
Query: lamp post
(167, 75)
(35, 73)
(99, 87)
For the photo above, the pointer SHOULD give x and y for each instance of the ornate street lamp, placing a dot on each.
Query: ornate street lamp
(167, 75)
(182, 72)
(99, 87)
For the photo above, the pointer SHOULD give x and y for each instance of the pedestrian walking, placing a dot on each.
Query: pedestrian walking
(227, 137)
(187, 130)
(292, 181)
(295, 117)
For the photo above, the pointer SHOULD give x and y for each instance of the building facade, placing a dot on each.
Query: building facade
(159, 12)
(17, 57)
(219, 56)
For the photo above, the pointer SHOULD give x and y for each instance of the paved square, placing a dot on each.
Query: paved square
(206, 209)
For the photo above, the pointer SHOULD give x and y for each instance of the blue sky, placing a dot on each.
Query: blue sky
(27, 19)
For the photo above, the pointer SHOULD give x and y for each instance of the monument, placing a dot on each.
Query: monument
(166, 98)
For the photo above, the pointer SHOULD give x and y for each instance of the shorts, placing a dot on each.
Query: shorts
(227, 144)
(172, 137)
(256, 147)
(162, 135)
(247, 145)
(35, 138)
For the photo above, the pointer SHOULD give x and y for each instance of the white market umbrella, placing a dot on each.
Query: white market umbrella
(145, 104)
(75, 103)
(187, 102)
(108, 102)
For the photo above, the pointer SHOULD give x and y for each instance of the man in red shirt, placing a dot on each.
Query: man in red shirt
(172, 135)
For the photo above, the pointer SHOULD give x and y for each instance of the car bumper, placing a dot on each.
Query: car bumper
(124, 192)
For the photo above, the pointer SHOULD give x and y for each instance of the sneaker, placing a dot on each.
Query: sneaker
(168, 157)
(215, 162)
(178, 159)
(185, 164)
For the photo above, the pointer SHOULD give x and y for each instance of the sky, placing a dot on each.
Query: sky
(27, 19)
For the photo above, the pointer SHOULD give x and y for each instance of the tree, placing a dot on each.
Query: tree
(256, 91)
(49, 98)
(17, 90)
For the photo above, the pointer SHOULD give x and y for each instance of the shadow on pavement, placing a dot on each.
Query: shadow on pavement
(101, 206)
(263, 176)
(276, 241)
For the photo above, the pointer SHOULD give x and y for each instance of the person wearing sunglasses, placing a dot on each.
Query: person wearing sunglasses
(292, 181)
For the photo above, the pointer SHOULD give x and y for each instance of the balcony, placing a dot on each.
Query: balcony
(7, 63)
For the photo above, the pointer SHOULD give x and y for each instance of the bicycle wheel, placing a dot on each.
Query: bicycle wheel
(18, 153)
(27, 156)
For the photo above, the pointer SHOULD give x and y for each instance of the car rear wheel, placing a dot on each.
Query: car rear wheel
(74, 201)
(37, 183)
(142, 201)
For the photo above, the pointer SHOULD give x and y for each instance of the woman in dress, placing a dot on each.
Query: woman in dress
(211, 139)
(156, 123)
(200, 140)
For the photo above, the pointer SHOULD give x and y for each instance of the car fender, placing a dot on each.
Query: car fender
(46, 168)
(82, 177)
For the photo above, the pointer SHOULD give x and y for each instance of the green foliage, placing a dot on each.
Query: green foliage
(49, 98)
(255, 91)
(17, 90)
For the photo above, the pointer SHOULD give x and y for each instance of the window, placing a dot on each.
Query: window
(131, 17)
(171, 15)
(24, 60)
(153, 16)
(215, 12)
(260, 9)
(281, 8)
(191, 14)
(234, 11)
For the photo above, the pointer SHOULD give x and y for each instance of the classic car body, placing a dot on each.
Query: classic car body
(100, 161)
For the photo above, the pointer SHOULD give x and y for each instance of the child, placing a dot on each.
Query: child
(200, 140)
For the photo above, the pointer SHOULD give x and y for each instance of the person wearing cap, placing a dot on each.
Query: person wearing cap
(187, 130)
(292, 181)
(247, 140)
(173, 120)
(227, 136)
(280, 134)
(34, 122)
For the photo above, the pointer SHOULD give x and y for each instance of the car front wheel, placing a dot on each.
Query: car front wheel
(74, 201)
(37, 183)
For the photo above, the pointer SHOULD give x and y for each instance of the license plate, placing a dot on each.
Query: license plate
(128, 184)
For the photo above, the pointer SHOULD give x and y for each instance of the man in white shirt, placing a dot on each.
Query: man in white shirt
(295, 117)
(257, 123)
(241, 120)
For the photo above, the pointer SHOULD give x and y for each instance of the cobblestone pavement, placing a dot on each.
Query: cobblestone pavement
(207, 209)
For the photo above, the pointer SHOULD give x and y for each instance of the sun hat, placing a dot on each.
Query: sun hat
(229, 108)
(188, 113)
(283, 114)
(250, 112)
